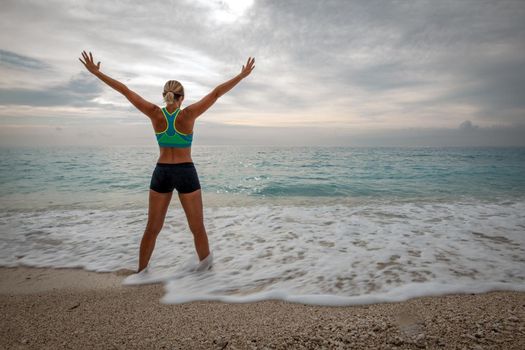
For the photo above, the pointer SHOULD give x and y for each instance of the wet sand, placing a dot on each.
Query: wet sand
(46, 308)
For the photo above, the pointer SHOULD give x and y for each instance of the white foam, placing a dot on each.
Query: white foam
(152, 275)
(397, 294)
(321, 254)
(205, 264)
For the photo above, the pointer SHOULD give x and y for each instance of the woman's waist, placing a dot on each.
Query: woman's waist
(176, 165)
(174, 155)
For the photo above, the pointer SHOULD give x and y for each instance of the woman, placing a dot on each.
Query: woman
(173, 127)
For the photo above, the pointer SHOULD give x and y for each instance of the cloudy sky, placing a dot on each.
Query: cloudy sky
(364, 73)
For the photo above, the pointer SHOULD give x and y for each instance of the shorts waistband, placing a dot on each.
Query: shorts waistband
(169, 165)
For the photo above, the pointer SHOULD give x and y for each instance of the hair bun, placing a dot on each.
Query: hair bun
(169, 97)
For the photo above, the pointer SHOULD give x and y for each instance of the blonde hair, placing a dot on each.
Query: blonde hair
(173, 90)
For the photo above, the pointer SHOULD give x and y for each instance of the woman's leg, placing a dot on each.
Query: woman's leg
(158, 207)
(192, 205)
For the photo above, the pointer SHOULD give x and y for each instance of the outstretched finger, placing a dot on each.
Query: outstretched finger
(91, 56)
(84, 54)
(82, 61)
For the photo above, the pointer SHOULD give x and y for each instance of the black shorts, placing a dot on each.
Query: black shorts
(180, 176)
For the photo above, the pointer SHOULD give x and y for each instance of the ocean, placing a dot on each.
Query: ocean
(318, 225)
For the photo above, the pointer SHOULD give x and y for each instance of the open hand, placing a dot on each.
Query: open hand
(89, 63)
(246, 70)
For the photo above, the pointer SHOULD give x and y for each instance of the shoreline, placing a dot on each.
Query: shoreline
(73, 308)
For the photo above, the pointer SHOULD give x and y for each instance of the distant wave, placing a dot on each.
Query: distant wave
(306, 190)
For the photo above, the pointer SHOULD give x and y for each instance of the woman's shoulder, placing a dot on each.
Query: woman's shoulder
(182, 113)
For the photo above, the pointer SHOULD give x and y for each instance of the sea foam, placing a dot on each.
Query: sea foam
(334, 254)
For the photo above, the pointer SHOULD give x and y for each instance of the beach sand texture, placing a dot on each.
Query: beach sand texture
(75, 309)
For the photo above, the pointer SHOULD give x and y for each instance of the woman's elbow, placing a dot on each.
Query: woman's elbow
(124, 90)
(216, 93)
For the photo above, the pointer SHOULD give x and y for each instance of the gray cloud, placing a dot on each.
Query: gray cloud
(385, 76)
(498, 88)
(13, 60)
(468, 126)
(379, 46)
(76, 92)
(378, 62)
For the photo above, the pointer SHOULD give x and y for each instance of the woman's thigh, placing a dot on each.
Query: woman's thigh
(157, 209)
(192, 205)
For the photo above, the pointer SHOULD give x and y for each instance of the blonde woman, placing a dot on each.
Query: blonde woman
(174, 129)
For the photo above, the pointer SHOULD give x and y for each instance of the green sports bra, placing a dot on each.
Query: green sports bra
(171, 137)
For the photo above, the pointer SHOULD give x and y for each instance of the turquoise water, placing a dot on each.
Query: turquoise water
(63, 176)
(322, 225)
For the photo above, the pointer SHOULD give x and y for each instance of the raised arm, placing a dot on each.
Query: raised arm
(142, 105)
(196, 109)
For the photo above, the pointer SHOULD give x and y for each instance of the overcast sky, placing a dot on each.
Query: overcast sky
(327, 72)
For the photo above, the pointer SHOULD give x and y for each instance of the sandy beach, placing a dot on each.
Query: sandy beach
(75, 309)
